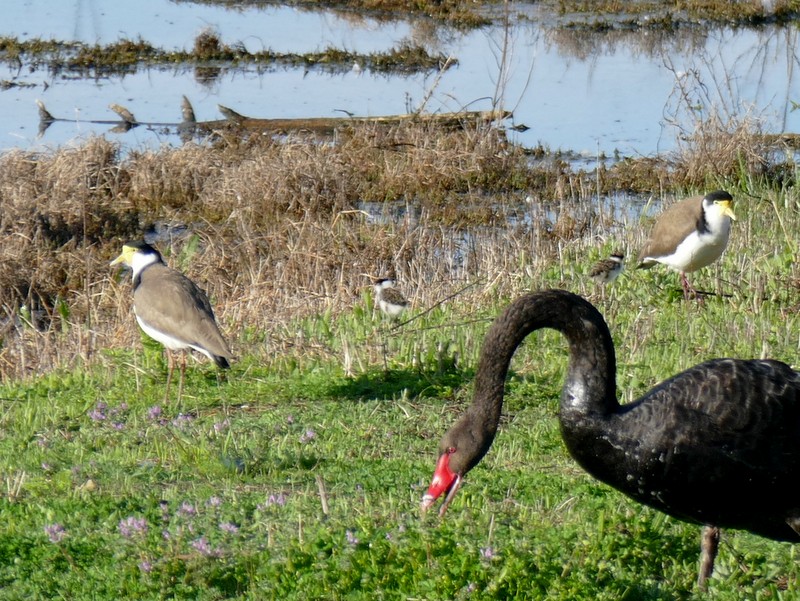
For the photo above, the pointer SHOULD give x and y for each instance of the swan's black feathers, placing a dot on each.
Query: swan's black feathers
(716, 444)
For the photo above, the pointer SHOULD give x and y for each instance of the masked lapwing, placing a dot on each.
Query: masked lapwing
(689, 235)
(607, 270)
(171, 309)
(390, 300)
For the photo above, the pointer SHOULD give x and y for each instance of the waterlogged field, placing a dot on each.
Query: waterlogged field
(298, 473)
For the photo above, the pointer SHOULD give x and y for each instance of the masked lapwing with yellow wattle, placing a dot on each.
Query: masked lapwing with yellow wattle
(171, 309)
(690, 235)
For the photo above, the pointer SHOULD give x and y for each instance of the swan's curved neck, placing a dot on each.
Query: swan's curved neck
(590, 389)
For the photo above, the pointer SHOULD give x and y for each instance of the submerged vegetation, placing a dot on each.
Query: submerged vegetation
(571, 13)
(452, 12)
(126, 56)
(687, 13)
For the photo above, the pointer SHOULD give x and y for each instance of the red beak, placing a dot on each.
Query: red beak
(444, 480)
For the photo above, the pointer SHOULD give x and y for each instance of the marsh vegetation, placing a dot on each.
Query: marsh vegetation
(298, 474)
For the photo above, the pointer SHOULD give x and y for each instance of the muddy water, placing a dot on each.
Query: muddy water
(632, 93)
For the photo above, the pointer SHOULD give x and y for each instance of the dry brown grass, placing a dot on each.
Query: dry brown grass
(723, 148)
(281, 228)
(750, 12)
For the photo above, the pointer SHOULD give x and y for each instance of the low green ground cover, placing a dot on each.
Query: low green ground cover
(292, 479)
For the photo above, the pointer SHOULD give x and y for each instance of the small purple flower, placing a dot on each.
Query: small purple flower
(55, 532)
(290, 419)
(277, 499)
(487, 553)
(214, 502)
(98, 414)
(131, 526)
(220, 427)
(229, 527)
(182, 420)
(145, 566)
(154, 412)
(202, 546)
(187, 510)
(274, 499)
(307, 436)
(118, 426)
(351, 538)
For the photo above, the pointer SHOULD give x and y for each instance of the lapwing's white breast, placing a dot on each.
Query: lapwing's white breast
(700, 249)
(391, 309)
(168, 341)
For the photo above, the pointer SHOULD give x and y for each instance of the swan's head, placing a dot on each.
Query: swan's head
(460, 450)
(445, 480)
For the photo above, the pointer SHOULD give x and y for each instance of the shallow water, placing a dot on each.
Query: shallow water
(632, 93)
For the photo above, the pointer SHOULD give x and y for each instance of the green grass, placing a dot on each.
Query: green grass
(288, 478)
(293, 481)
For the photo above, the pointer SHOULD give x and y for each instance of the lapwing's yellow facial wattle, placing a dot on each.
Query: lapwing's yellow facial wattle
(727, 209)
(125, 257)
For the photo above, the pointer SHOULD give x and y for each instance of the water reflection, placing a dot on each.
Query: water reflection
(636, 92)
(526, 224)
(647, 43)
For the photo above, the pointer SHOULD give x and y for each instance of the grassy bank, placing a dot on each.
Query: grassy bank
(298, 474)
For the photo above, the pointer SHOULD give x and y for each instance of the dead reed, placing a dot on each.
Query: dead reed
(276, 230)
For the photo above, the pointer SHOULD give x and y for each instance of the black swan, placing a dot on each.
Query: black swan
(718, 444)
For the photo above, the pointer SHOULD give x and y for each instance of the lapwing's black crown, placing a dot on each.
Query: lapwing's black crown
(718, 195)
(143, 247)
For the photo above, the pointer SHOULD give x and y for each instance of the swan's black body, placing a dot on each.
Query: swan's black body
(718, 444)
